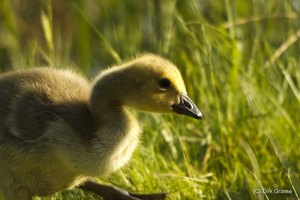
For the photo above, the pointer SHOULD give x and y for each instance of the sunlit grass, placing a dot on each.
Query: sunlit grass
(240, 62)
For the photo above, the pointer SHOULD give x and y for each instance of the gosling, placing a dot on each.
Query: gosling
(57, 130)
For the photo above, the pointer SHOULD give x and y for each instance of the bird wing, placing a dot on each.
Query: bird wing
(31, 100)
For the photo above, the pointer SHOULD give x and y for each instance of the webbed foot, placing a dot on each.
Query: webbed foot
(115, 193)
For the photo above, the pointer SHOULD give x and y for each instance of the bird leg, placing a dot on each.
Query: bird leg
(115, 193)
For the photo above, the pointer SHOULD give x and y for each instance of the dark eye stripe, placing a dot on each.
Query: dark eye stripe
(164, 83)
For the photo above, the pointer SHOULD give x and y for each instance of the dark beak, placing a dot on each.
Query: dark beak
(187, 107)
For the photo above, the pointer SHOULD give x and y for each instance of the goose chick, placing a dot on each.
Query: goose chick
(56, 130)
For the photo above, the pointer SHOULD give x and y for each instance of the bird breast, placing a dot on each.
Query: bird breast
(118, 146)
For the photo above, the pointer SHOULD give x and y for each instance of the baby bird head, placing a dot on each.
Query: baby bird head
(151, 83)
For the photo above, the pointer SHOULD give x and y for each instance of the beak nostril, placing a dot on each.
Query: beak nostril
(188, 105)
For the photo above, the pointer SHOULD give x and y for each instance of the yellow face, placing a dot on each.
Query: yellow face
(158, 86)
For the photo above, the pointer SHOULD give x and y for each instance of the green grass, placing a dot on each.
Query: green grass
(240, 62)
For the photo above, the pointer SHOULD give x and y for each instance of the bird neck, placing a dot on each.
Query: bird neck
(107, 102)
(118, 129)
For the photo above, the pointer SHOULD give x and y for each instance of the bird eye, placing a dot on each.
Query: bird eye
(164, 83)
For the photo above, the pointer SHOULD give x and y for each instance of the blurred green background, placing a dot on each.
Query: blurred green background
(240, 62)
